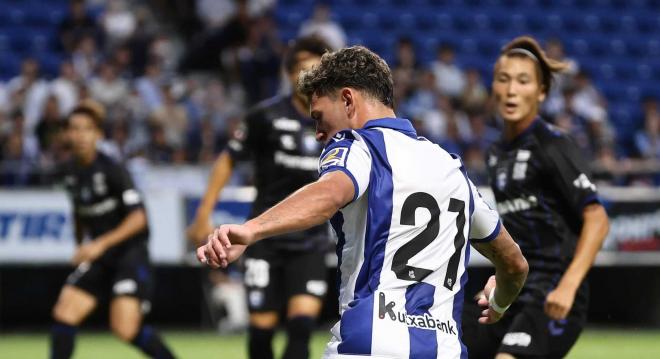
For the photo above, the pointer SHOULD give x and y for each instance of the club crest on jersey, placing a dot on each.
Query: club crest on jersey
(334, 157)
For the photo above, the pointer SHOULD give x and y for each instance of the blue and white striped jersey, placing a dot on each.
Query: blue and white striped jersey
(401, 243)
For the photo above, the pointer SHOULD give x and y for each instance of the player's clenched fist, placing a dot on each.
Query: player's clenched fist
(224, 245)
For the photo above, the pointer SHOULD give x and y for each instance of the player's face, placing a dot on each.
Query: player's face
(517, 88)
(305, 62)
(330, 115)
(83, 134)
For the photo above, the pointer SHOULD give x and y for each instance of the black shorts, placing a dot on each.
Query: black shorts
(273, 276)
(524, 332)
(126, 273)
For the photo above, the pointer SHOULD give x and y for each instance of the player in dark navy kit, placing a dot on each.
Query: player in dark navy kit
(108, 209)
(285, 271)
(551, 208)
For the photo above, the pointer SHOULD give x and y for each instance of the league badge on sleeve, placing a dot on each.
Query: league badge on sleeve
(334, 157)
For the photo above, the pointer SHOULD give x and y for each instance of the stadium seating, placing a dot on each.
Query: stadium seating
(616, 41)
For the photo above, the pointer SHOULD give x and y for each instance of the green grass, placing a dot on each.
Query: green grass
(594, 343)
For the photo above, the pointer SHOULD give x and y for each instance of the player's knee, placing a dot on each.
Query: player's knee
(124, 330)
(264, 320)
(304, 306)
(504, 356)
(65, 313)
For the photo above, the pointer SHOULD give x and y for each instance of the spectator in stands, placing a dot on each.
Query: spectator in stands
(215, 14)
(27, 93)
(449, 78)
(647, 139)
(475, 95)
(158, 151)
(50, 126)
(65, 88)
(149, 86)
(76, 25)
(19, 155)
(172, 118)
(554, 104)
(86, 57)
(108, 88)
(323, 26)
(118, 22)
(588, 103)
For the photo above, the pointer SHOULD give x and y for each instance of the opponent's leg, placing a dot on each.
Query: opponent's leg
(126, 324)
(72, 307)
(302, 312)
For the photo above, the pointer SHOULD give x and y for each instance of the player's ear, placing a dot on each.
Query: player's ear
(542, 94)
(348, 98)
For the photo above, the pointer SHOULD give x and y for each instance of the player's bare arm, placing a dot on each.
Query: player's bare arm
(510, 273)
(135, 222)
(220, 174)
(594, 229)
(309, 206)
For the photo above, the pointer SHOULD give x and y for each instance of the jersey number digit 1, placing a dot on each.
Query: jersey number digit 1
(400, 261)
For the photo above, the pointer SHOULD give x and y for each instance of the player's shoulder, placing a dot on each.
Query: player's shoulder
(548, 134)
(110, 165)
(344, 138)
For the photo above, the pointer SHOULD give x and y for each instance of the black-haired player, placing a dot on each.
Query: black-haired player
(108, 209)
(286, 272)
(547, 201)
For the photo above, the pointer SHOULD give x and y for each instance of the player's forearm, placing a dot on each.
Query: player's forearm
(594, 230)
(511, 267)
(135, 222)
(311, 205)
(220, 173)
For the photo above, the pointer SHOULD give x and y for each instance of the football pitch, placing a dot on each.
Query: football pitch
(594, 343)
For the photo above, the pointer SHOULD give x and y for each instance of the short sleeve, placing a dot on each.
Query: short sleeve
(570, 173)
(124, 188)
(486, 222)
(350, 155)
(246, 137)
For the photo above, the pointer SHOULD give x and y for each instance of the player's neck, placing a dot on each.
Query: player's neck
(514, 129)
(369, 113)
(87, 158)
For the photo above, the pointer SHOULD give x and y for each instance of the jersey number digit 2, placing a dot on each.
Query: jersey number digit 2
(402, 256)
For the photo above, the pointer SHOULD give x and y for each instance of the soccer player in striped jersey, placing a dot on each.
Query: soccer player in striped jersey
(545, 197)
(403, 210)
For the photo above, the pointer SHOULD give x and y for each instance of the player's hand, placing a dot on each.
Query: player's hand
(220, 249)
(488, 315)
(88, 252)
(199, 230)
(559, 302)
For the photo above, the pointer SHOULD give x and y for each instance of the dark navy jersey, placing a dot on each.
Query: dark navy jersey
(103, 195)
(541, 184)
(282, 145)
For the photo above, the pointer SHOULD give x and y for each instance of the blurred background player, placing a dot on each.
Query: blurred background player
(284, 271)
(546, 199)
(108, 209)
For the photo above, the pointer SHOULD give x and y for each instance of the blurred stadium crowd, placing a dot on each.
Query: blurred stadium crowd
(175, 78)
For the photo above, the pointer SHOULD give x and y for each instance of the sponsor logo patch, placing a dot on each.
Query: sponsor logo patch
(334, 157)
(125, 286)
(423, 321)
(517, 339)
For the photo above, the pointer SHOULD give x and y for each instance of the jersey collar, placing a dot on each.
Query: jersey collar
(398, 124)
(507, 145)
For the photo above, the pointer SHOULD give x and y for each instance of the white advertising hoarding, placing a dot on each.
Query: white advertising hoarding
(36, 226)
